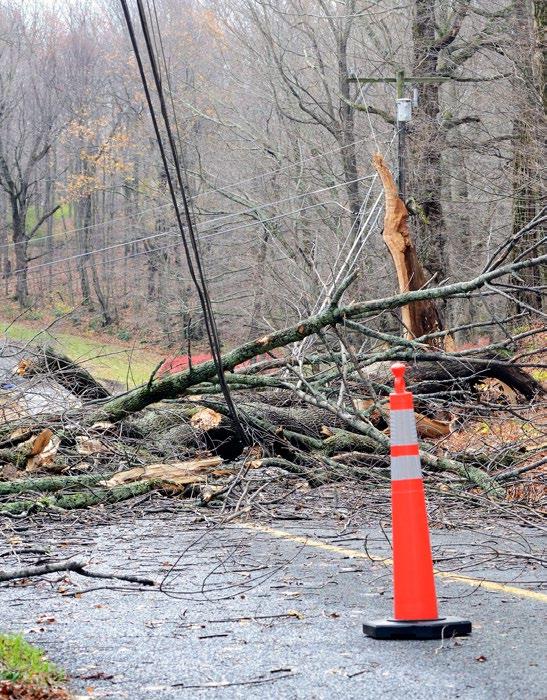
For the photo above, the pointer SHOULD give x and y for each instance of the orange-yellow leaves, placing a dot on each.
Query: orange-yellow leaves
(101, 155)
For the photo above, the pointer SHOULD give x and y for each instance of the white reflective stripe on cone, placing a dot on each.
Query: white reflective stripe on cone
(403, 428)
(405, 468)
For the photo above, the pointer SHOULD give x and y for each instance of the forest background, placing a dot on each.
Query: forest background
(277, 139)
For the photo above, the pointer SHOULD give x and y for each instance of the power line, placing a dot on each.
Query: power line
(241, 212)
(169, 246)
(212, 190)
(32, 268)
(113, 261)
(130, 256)
(171, 232)
(201, 285)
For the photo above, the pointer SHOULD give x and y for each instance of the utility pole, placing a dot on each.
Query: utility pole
(404, 114)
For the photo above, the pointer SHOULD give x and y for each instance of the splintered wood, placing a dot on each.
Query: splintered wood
(206, 419)
(178, 474)
(420, 317)
(37, 453)
(43, 451)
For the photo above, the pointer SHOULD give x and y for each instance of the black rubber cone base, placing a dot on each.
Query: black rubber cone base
(443, 628)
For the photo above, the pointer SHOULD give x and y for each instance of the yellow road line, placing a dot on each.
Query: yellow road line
(357, 554)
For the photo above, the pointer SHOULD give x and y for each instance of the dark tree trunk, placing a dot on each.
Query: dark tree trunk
(49, 198)
(347, 129)
(84, 209)
(528, 146)
(5, 262)
(20, 244)
(428, 140)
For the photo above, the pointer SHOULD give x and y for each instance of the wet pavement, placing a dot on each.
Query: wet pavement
(246, 612)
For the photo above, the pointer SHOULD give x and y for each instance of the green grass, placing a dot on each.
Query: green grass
(110, 361)
(20, 662)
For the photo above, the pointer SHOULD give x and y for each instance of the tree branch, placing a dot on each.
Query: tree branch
(76, 565)
(176, 384)
(370, 110)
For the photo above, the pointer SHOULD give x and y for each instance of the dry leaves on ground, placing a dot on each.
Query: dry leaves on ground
(24, 691)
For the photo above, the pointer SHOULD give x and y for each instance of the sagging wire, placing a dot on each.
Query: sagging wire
(194, 262)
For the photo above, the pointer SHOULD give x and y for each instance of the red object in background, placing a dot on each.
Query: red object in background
(179, 363)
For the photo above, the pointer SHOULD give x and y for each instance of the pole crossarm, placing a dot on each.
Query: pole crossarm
(407, 79)
(400, 80)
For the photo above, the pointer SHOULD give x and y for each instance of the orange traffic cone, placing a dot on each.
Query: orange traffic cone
(415, 602)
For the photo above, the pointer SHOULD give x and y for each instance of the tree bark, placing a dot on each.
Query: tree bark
(345, 441)
(428, 142)
(420, 318)
(20, 244)
(47, 484)
(82, 499)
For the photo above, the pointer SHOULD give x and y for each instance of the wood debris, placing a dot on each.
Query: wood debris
(179, 473)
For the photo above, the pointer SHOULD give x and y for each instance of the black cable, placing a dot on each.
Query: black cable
(214, 339)
(171, 100)
(202, 290)
(204, 298)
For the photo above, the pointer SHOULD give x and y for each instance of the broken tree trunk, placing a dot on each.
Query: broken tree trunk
(308, 420)
(421, 317)
(178, 474)
(317, 447)
(437, 376)
(65, 372)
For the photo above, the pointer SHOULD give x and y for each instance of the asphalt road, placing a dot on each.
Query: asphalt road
(251, 613)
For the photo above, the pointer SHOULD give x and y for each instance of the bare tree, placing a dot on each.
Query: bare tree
(528, 139)
(30, 109)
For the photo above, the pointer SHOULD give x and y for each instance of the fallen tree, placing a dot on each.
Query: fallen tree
(178, 384)
(322, 418)
(64, 371)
